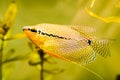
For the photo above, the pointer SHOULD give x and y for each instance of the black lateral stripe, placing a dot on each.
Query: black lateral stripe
(52, 35)
(33, 30)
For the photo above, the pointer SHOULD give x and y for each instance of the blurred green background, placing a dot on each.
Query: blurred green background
(32, 12)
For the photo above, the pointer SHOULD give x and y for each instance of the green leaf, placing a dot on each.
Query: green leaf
(17, 36)
(109, 19)
(10, 14)
(2, 31)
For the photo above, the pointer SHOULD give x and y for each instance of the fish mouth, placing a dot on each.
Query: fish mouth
(33, 30)
(26, 28)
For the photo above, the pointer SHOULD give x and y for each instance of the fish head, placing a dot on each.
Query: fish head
(33, 33)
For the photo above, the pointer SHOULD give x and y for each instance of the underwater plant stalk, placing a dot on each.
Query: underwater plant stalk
(41, 54)
(1, 53)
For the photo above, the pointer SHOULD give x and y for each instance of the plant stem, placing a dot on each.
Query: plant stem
(41, 54)
(1, 53)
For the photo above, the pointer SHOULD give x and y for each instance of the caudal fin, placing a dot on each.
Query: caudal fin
(101, 47)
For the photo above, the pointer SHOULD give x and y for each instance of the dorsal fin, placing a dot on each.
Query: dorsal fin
(84, 30)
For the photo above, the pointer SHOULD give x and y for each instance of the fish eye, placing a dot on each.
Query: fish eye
(33, 30)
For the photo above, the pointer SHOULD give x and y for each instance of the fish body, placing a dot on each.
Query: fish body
(77, 44)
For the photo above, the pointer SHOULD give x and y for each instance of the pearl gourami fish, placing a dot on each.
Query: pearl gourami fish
(77, 44)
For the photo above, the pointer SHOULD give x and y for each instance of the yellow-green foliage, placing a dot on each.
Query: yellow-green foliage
(20, 59)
